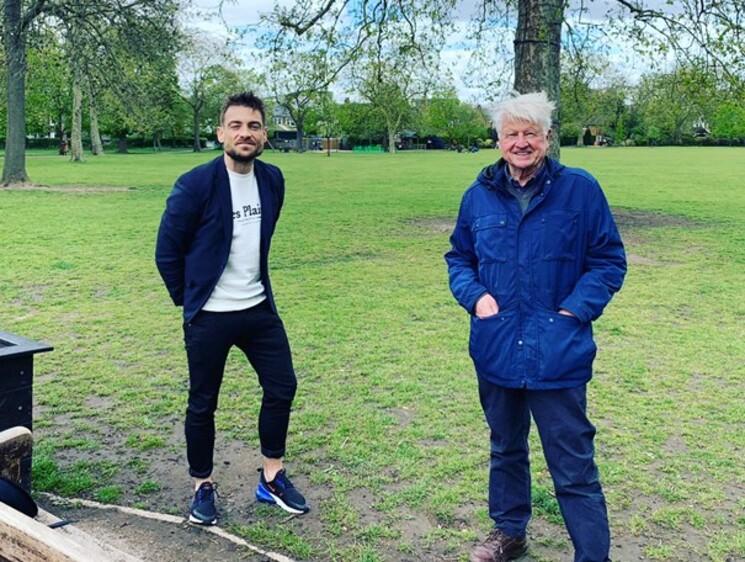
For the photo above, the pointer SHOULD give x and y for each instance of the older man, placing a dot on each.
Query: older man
(535, 258)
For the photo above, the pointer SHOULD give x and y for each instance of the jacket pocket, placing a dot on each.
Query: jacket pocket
(566, 346)
(491, 239)
(492, 344)
(559, 238)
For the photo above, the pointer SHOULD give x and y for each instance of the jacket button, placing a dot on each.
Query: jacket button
(519, 342)
(551, 320)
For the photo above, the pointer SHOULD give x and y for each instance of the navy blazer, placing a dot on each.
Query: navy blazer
(196, 231)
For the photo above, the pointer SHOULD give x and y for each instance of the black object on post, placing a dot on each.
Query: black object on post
(16, 388)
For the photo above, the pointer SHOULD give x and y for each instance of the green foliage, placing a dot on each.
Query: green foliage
(728, 121)
(109, 494)
(147, 487)
(605, 108)
(453, 120)
(671, 104)
(48, 97)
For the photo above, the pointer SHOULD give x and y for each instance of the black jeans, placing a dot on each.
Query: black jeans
(259, 333)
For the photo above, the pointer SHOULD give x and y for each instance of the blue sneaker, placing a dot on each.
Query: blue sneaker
(202, 510)
(281, 492)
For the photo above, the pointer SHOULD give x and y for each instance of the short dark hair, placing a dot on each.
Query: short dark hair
(243, 99)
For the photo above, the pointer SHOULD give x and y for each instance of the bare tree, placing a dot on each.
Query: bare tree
(308, 55)
(208, 73)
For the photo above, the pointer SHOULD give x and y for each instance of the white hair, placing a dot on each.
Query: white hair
(528, 108)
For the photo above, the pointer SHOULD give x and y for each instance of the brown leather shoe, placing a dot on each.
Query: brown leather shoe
(499, 547)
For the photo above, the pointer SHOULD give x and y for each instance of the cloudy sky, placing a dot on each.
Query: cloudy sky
(240, 13)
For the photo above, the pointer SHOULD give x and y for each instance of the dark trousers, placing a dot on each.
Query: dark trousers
(259, 333)
(567, 438)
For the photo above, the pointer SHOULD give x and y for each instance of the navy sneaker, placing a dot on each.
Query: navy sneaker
(281, 492)
(202, 510)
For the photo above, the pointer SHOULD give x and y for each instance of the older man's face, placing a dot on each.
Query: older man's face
(523, 144)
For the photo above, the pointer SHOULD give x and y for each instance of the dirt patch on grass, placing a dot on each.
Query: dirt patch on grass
(627, 220)
(634, 218)
(436, 225)
(151, 541)
(635, 259)
(69, 188)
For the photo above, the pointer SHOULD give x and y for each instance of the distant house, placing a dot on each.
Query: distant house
(406, 140)
(593, 135)
(282, 128)
(701, 129)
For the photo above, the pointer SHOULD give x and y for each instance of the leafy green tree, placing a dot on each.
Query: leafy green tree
(48, 94)
(728, 121)
(84, 18)
(392, 74)
(360, 123)
(298, 81)
(448, 117)
(670, 103)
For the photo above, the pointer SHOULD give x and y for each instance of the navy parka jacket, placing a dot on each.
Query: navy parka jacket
(196, 231)
(564, 252)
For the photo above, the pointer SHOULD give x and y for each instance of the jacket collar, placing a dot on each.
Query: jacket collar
(222, 186)
(496, 176)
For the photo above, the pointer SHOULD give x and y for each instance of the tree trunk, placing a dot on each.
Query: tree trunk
(59, 127)
(299, 136)
(391, 139)
(537, 54)
(121, 145)
(96, 144)
(156, 141)
(197, 145)
(76, 135)
(14, 165)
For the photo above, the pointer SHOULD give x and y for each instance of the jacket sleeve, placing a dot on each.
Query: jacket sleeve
(280, 193)
(175, 234)
(605, 263)
(463, 263)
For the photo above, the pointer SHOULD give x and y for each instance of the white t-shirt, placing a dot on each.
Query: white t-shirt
(239, 286)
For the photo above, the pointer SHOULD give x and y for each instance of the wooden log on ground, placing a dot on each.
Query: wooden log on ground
(23, 539)
(16, 444)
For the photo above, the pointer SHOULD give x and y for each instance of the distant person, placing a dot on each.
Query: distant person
(212, 252)
(535, 258)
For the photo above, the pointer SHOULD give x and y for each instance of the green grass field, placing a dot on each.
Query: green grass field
(387, 438)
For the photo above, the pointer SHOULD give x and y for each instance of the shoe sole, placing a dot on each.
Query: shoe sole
(513, 556)
(265, 496)
(520, 554)
(197, 521)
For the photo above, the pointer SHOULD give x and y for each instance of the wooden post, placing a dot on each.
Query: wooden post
(16, 444)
